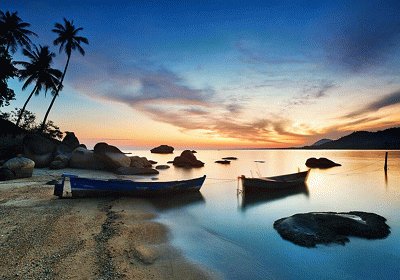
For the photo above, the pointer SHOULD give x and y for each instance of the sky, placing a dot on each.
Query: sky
(221, 74)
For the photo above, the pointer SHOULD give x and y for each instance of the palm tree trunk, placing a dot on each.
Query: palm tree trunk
(55, 95)
(23, 108)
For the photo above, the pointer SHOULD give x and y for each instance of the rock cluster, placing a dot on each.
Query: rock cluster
(187, 160)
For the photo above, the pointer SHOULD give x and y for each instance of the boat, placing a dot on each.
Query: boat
(275, 183)
(83, 187)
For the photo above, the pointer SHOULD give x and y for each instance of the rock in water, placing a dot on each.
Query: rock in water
(223, 161)
(163, 149)
(39, 149)
(135, 171)
(187, 160)
(20, 166)
(112, 157)
(321, 163)
(162, 166)
(310, 229)
(140, 162)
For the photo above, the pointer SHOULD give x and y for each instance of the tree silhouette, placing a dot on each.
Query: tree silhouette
(7, 71)
(39, 71)
(69, 41)
(13, 31)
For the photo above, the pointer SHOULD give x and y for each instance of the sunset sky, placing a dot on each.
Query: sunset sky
(221, 74)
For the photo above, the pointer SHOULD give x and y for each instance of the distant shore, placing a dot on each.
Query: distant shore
(43, 237)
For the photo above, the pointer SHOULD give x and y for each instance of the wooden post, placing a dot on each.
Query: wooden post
(385, 167)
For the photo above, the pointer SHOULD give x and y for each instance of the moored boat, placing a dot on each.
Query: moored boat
(274, 183)
(81, 187)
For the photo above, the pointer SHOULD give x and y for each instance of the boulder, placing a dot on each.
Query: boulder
(321, 163)
(6, 174)
(162, 166)
(163, 149)
(70, 140)
(85, 159)
(21, 167)
(187, 160)
(135, 171)
(140, 162)
(39, 149)
(111, 156)
(310, 229)
(60, 161)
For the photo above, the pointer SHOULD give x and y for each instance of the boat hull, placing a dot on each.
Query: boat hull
(85, 187)
(274, 183)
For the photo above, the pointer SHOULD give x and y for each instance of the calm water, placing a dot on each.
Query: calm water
(235, 238)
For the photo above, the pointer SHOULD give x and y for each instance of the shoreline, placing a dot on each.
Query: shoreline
(43, 237)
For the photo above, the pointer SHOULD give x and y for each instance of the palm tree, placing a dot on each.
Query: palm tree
(13, 31)
(39, 71)
(69, 41)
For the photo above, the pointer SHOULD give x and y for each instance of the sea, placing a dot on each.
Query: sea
(233, 237)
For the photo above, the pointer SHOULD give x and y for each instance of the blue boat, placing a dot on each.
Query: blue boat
(84, 187)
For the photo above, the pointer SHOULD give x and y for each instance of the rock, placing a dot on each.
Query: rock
(112, 157)
(20, 166)
(39, 149)
(6, 174)
(163, 149)
(170, 161)
(230, 158)
(140, 162)
(146, 253)
(70, 140)
(162, 166)
(60, 161)
(223, 161)
(187, 160)
(84, 159)
(194, 152)
(152, 162)
(321, 163)
(135, 171)
(314, 228)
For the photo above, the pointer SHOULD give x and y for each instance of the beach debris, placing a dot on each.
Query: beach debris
(135, 171)
(310, 229)
(39, 149)
(162, 149)
(187, 160)
(112, 157)
(162, 166)
(223, 161)
(21, 167)
(321, 163)
(230, 158)
(85, 159)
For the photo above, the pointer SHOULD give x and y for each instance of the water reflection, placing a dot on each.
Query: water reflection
(247, 200)
(177, 201)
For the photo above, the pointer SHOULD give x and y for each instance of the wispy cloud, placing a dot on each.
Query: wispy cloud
(385, 101)
(311, 92)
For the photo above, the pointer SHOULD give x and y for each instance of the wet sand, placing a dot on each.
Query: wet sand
(43, 237)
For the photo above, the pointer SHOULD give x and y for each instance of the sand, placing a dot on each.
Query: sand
(44, 237)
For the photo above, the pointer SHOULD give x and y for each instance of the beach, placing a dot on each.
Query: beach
(44, 237)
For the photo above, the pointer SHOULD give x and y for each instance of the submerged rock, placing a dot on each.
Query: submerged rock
(163, 149)
(187, 160)
(310, 229)
(162, 166)
(223, 161)
(230, 158)
(321, 163)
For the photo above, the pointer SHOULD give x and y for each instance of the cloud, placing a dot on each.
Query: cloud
(310, 93)
(364, 36)
(385, 101)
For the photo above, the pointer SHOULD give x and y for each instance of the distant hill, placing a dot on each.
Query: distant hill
(322, 141)
(363, 140)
